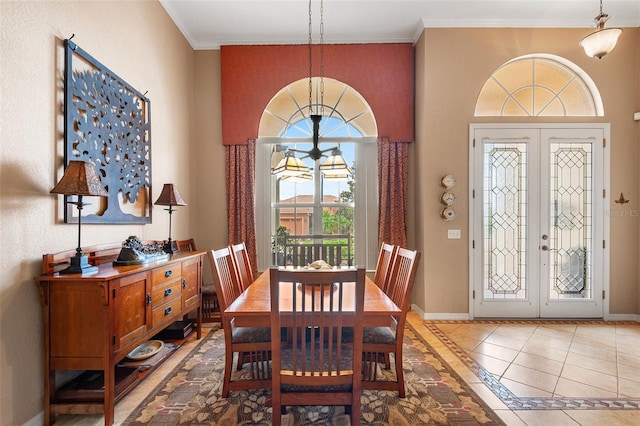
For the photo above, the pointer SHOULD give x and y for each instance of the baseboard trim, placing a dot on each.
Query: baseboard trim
(37, 420)
(466, 316)
(622, 317)
(440, 316)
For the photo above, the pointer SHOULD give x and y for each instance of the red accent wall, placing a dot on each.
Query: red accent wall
(382, 73)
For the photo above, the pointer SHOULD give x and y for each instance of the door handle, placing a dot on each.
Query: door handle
(546, 248)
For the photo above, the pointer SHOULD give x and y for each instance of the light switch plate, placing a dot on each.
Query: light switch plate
(453, 234)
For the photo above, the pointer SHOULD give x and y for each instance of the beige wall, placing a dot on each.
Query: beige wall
(637, 109)
(451, 67)
(139, 42)
(209, 212)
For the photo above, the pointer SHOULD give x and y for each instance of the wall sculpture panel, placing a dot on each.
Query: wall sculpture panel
(107, 123)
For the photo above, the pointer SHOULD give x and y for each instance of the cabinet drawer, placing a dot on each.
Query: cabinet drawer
(166, 273)
(166, 312)
(164, 292)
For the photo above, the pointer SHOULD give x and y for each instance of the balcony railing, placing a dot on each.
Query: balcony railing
(301, 250)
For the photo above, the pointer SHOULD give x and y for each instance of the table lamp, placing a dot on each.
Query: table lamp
(80, 179)
(170, 197)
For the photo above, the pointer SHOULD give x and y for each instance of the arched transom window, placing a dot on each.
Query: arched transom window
(539, 85)
(291, 105)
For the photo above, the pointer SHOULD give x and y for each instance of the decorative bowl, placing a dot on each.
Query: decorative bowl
(146, 350)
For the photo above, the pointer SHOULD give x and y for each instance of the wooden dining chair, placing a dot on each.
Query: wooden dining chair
(379, 342)
(251, 343)
(209, 308)
(383, 267)
(243, 264)
(316, 366)
(185, 245)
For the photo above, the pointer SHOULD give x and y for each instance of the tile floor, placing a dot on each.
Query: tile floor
(546, 372)
(530, 373)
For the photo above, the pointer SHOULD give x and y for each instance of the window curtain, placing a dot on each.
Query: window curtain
(240, 172)
(393, 176)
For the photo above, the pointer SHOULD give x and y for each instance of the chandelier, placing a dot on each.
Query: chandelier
(290, 167)
(602, 41)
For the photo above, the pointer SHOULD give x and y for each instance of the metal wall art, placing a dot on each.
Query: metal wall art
(107, 123)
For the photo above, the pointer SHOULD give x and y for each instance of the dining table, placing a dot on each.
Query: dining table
(253, 306)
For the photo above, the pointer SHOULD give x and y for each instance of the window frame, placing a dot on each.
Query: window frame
(365, 202)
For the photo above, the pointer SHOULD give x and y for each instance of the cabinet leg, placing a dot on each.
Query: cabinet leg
(49, 389)
(109, 394)
(199, 321)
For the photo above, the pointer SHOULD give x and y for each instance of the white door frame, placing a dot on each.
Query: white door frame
(475, 187)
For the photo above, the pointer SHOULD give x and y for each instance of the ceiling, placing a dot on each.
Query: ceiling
(209, 24)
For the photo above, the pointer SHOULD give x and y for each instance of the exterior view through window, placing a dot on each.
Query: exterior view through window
(315, 210)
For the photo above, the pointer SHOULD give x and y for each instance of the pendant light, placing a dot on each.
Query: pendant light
(335, 166)
(292, 168)
(602, 41)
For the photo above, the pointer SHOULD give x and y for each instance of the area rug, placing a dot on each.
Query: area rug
(190, 395)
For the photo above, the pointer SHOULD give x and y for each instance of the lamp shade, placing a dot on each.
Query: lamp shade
(601, 42)
(80, 178)
(170, 196)
(277, 154)
(290, 166)
(335, 164)
(301, 178)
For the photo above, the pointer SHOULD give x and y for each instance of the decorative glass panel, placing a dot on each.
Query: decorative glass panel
(571, 220)
(504, 220)
(539, 86)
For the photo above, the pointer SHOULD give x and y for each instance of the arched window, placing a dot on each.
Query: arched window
(539, 85)
(318, 204)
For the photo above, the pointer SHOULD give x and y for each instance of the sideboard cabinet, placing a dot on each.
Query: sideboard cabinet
(93, 321)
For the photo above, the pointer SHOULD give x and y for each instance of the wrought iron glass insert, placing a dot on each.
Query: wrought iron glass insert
(108, 123)
(571, 220)
(504, 220)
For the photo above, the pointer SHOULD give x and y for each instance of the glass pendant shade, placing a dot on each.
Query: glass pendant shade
(336, 177)
(277, 155)
(335, 164)
(290, 166)
(601, 42)
(301, 178)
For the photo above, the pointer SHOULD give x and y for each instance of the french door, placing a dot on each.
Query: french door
(538, 224)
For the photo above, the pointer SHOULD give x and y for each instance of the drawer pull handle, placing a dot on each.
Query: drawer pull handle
(167, 311)
(168, 292)
(184, 283)
(148, 299)
(168, 273)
